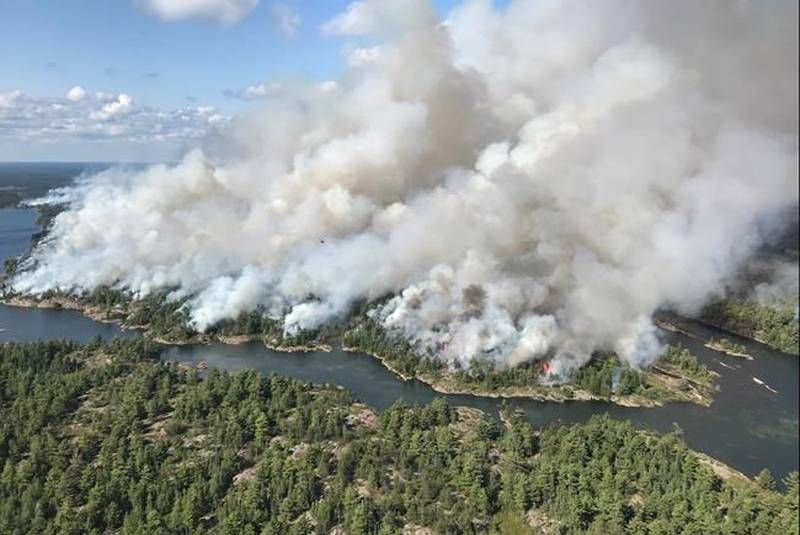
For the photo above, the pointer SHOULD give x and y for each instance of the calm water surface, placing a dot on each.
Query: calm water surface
(747, 427)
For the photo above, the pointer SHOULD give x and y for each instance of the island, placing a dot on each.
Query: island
(677, 376)
(723, 345)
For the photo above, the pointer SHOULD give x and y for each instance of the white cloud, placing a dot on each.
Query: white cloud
(256, 91)
(217, 118)
(8, 97)
(97, 119)
(364, 17)
(279, 90)
(327, 86)
(359, 18)
(121, 104)
(76, 94)
(360, 57)
(285, 19)
(224, 11)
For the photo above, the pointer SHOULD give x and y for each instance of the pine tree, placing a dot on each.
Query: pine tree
(765, 480)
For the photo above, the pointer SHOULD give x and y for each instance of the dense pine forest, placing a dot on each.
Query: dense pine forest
(103, 437)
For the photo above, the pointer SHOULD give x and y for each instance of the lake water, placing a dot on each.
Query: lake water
(747, 426)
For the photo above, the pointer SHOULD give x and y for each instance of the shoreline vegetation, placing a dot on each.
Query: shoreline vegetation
(719, 344)
(105, 438)
(677, 377)
(723, 345)
(774, 326)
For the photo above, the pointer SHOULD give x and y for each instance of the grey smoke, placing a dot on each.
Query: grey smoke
(782, 289)
(772, 282)
(528, 182)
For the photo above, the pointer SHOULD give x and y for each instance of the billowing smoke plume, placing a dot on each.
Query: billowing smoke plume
(527, 182)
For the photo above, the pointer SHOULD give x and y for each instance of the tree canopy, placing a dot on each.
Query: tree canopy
(104, 438)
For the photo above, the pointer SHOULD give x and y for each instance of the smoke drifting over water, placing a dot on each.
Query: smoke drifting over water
(530, 181)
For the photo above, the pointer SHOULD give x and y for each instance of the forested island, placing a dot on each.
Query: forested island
(723, 345)
(677, 377)
(104, 437)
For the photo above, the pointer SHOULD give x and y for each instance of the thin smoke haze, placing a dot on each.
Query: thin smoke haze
(525, 182)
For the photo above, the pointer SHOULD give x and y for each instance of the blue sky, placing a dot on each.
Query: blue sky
(166, 55)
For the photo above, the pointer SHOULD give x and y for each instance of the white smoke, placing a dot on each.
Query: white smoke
(530, 181)
(780, 284)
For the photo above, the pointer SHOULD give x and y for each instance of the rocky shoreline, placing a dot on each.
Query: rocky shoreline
(308, 348)
(384, 362)
(59, 302)
(100, 315)
(754, 338)
(720, 347)
(444, 385)
(714, 344)
(669, 325)
(555, 394)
